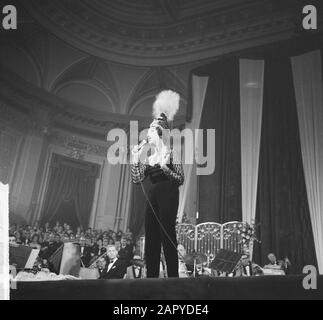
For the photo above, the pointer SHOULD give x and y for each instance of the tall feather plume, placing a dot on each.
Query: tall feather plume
(167, 102)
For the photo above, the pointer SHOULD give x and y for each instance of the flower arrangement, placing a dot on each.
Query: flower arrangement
(248, 233)
(185, 219)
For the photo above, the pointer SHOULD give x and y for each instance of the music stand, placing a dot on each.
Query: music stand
(22, 257)
(66, 260)
(226, 261)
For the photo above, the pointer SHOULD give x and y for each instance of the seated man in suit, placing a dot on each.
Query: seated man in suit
(272, 260)
(274, 264)
(246, 268)
(115, 268)
(136, 270)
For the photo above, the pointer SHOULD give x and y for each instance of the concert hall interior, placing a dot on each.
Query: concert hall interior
(250, 205)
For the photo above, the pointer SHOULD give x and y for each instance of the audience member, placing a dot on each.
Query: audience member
(93, 243)
(136, 270)
(125, 252)
(115, 268)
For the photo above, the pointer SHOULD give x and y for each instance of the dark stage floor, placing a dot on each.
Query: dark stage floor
(170, 289)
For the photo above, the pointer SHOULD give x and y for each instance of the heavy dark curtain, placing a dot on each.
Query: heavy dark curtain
(67, 213)
(70, 180)
(220, 193)
(282, 207)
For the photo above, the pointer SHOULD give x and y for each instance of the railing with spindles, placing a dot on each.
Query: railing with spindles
(207, 238)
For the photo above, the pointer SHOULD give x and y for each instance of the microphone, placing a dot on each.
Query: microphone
(142, 144)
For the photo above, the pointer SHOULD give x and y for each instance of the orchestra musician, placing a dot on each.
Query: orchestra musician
(246, 268)
(137, 270)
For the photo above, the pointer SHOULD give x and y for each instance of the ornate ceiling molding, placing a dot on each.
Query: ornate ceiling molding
(152, 82)
(28, 101)
(93, 72)
(140, 35)
(78, 146)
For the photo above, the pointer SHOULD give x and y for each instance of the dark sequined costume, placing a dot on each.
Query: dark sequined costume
(163, 196)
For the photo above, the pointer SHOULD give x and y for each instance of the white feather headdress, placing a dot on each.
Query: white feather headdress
(166, 102)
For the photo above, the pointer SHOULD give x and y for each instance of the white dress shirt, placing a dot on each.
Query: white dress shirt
(112, 263)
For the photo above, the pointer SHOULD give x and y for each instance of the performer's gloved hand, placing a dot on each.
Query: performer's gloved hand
(165, 160)
(136, 152)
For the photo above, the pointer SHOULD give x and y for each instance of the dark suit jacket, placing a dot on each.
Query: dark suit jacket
(117, 271)
(126, 255)
(86, 256)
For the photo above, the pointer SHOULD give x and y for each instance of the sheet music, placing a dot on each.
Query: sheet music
(32, 258)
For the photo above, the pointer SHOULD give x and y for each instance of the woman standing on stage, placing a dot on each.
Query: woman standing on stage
(166, 174)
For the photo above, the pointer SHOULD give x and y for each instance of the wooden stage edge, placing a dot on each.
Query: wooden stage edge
(264, 288)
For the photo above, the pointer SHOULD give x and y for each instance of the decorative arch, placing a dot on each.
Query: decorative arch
(141, 101)
(93, 84)
(29, 57)
(151, 83)
(91, 72)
